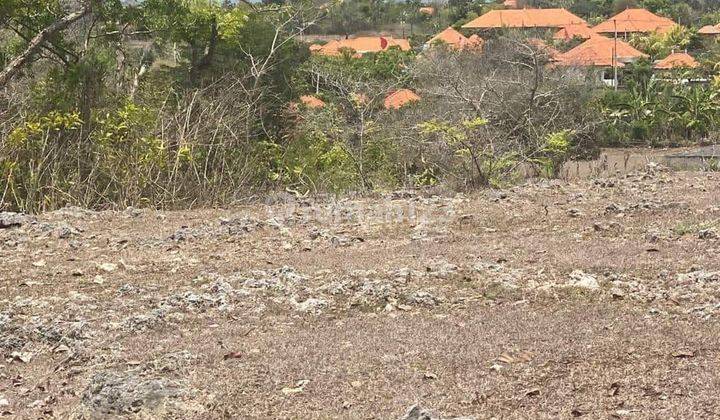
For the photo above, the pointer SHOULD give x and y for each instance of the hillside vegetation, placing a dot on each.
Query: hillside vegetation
(179, 103)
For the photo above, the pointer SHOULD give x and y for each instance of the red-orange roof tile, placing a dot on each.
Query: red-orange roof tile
(599, 51)
(676, 61)
(709, 30)
(456, 40)
(449, 36)
(578, 30)
(364, 44)
(475, 42)
(524, 18)
(635, 20)
(400, 98)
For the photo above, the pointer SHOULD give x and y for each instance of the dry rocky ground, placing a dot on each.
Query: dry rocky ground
(596, 298)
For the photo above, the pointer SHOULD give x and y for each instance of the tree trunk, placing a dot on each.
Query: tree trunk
(37, 42)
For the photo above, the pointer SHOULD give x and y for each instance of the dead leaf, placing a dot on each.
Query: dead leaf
(511, 358)
(684, 354)
(429, 375)
(580, 411)
(299, 387)
(524, 356)
(506, 358)
(62, 348)
(233, 355)
(532, 392)
(614, 389)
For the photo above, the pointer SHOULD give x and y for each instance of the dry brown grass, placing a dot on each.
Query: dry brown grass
(651, 354)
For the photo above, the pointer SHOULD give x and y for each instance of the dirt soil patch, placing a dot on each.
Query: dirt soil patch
(596, 298)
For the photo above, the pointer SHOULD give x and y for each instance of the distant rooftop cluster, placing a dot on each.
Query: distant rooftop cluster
(603, 45)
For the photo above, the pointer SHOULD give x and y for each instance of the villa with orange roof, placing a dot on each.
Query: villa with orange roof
(633, 21)
(525, 19)
(362, 45)
(600, 51)
(456, 40)
(710, 30)
(677, 60)
(577, 30)
(603, 54)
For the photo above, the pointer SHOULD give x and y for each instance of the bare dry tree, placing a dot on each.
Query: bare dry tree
(515, 87)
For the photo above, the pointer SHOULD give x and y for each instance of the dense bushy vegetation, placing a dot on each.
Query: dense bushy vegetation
(173, 103)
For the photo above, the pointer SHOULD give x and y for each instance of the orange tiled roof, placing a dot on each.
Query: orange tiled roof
(635, 20)
(363, 44)
(676, 61)
(312, 101)
(449, 36)
(524, 18)
(400, 98)
(457, 40)
(474, 41)
(599, 51)
(578, 30)
(709, 30)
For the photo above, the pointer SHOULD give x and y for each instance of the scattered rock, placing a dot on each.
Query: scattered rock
(574, 213)
(580, 279)
(107, 267)
(23, 357)
(416, 412)
(708, 234)
(617, 293)
(311, 305)
(421, 297)
(698, 276)
(113, 393)
(10, 220)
